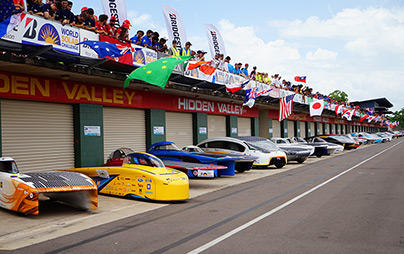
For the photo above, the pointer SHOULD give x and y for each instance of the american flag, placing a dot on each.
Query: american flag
(285, 107)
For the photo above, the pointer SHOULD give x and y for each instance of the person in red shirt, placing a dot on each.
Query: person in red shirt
(112, 26)
(101, 25)
(123, 32)
(19, 4)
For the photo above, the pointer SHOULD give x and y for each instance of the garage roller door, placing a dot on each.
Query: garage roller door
(216, 126)
(244, 126)
(39, 136)
(291, 129)
(179, 128)
(302, 129)
(123, 127)
(276, 128)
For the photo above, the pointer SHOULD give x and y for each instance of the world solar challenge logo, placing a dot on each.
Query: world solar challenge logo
(139, 57)
(49, 34)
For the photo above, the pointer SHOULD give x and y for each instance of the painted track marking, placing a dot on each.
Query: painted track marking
(287, 203)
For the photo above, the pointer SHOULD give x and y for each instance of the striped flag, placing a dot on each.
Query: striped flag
(285, 106)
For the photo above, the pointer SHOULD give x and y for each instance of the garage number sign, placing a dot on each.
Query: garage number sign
(202, 130)
(158, 130)
(92, 131)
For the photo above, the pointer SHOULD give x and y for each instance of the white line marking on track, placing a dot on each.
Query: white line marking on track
(287, 203)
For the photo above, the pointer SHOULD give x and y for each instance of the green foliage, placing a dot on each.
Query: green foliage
(398, 116)
(339, 95)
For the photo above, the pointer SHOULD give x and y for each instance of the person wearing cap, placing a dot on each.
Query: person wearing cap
(137, 39)
(200, 55)
(173, 51)
(186, 51)
(146, 40)
(244, 71)
(123, 32)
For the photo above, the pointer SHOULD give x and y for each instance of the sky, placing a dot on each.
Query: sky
(356, 46)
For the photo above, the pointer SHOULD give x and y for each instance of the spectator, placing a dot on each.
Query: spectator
(137, 39)
(259, 77)
(79, 20)
(200, 55)
(173, 51)
(244, 71)
(222, 64)
(64, 15)
(230, 67)
(215, 62)
(266, 79)
(253, 73)
(146, 40)
(186, 51)
(19, 4)
(34, 7)
(89, 22)
(101, 25)
(49, 10)
(237, 69)
(123, 32)
(112, 26)
(155, 40)
(162, 47)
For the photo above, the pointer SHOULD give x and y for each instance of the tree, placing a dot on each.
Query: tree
(398, 116)
(338, 96)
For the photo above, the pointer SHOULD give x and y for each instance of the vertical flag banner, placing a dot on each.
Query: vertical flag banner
(215, 40)
(175, 26)
(285, 107)
(116, 8)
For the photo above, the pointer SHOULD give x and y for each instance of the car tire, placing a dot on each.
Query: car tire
(279, 164)
(300, 161)
(240, 170)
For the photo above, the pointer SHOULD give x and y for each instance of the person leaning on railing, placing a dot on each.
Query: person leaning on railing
(186, 51)
(137, 39)
(173, 51)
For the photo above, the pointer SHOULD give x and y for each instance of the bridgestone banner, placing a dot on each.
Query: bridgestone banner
(116, 8)
(175, 26)
(215, 40)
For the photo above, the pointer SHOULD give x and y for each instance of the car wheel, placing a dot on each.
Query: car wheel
(240, 170)
(300, 161)
(279, 164)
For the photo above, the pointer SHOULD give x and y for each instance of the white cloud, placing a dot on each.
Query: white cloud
(243, 45)
(367, 32)
(321, 55)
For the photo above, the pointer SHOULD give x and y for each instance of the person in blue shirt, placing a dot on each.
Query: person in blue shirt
(230, 67)
(245, 71)
(186, 51)
(146, 40)
(64, 15)
(137, 39)
(237, 69)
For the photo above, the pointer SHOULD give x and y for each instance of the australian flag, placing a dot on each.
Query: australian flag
(300, 79)
(104, 49)
(7, 9)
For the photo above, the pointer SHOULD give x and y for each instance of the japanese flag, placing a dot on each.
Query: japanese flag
(316, 108)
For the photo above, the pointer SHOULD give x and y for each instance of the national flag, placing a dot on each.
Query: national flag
(104, 49)
(7, 18)
(203, 66)
(300, 79)
(364, 117)
(338, 109)
(126, 58)
(234, 87)
(285, 106)
(156, 73)
(316, 107)
(252, 94)
(348, 114)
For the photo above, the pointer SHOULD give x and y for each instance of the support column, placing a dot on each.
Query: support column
(155, 126)
(200, 127)
(284, 128)
(255, 126)
(231, 126)
(88, 150)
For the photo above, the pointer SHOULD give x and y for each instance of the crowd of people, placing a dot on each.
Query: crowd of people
(61, 10)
